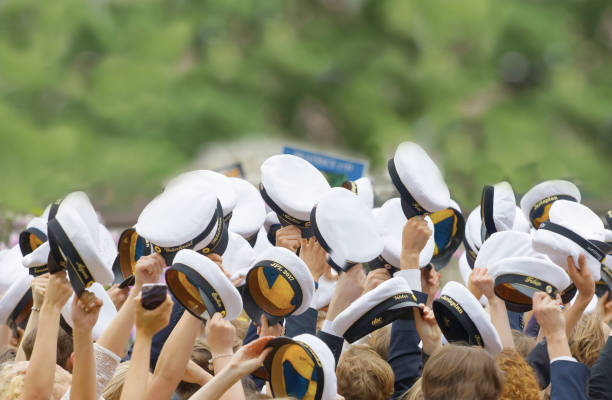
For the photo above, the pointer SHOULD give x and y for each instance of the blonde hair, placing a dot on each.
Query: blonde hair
(113, 389)
(588, 339)
(414, 393)
(380, 341)
(520, 382)
(523, 343)
(12, 377)
(364, 375)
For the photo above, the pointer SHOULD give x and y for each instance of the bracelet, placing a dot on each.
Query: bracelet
(36, 309)
(210, 362)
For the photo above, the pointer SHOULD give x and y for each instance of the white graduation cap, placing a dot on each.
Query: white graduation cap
(291, 186)
(201, 287)
(346, 229)
(238, 257)
(472, 240)
(105, 317)
(418, 180)
(536, 203)
(466, 271)
(462, 319)
(497, 209)
(393, 299)
(10, 265)
(571, 230)
(302, 367)
(16, 303)
(250, 211)
(278, 284)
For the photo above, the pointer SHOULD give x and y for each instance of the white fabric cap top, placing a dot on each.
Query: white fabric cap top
(575, 218)
(345, 227)
(83, 236)
(107, 312)
(322, 351)
(262, 242)
(13, 296)
(520, 222)
(418, 180)
(108, 247)
(201, 287)
(362, 187)
(80, 203)
(293, 184)
(250, 211)
(473, 240)
(10, 264)
(454, 295)
(238, 257)
(38, 257)
(537, 201)
(178, 215)
(218, 184)
(390, 223)
(498, 208)
(504, 245)
(272, 279)
(361, 309)
(324, 292)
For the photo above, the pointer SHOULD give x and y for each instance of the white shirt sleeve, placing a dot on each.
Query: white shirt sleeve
(327, 328)
(563, 358)
(412, 276)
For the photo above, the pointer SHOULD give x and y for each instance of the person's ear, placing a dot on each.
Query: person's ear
(69, 363)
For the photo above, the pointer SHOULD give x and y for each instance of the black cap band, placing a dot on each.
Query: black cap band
(540, 209)
(380, 262)
(410, 206)
(517, 290)
(441, 259)
(486, 212)
(284, 218)
(587, 245)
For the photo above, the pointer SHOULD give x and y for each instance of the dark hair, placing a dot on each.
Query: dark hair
(64, 346)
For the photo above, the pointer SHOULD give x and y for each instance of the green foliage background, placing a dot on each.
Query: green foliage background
(112, 95)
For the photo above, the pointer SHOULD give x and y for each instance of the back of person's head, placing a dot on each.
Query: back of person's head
(414, 393)
(520, 381)
(523, 343)
(380, 340)
(12, 375)
(113, 389)
(64, 348)
(364, 375)
(588, 339)
(461, 372)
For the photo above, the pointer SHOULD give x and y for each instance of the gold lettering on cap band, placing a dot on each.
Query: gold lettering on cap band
(544, 201)
(533, 281)
(452, 303)
(376, 321)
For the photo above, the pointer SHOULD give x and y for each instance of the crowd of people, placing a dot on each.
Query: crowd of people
(296, 290)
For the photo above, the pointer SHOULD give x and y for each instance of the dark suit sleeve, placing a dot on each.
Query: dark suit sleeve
(303, 323)
(600, 386)
(539, 361)
(516, 320)
(405, 354)
(333, 342)
(568, 380)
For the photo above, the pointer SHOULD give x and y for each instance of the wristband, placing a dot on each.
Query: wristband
(36, 309)
(210, 362)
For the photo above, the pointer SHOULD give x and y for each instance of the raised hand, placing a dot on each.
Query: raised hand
(85, 311)
(289, 237)
(349, 287)
(375, 278)
(39, 289)
(118, 295)
(581, 277)
(549, 313)
(415, 235)
(251, 356)
(58, 291)
(481, 279)
(430, 283)
(604, 307)
(148, 269)
(427, 328)
(263, 329)
(149, 322)
(314, 257)
(220, 335)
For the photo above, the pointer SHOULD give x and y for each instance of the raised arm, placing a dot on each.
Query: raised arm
(39, 288)
(497, 308)
(148, 323)
(116, 336)
(586, 289)
(38, 381)
(84, 316)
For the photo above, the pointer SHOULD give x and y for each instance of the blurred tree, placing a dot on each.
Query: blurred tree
(113, 95)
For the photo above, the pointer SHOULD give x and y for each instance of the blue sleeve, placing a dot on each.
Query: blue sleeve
(404, 353)
(600, 385)
(516, 320)
(303, 323)
(568, 380)
(539, 361)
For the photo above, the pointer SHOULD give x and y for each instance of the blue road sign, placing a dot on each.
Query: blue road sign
(350, 169)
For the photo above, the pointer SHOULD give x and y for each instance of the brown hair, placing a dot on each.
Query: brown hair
(364, 375)
(113, 389)
(588, 339)
(520, 382)
(380, 341)
(461, 372)
(523, 343)
(414, 393)
(64, 346)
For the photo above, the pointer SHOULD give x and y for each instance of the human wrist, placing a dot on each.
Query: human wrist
(221, 351)
(49, 307)
(409, 260)
(144, 334)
